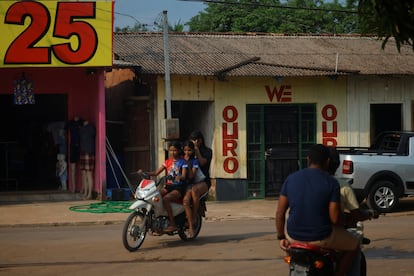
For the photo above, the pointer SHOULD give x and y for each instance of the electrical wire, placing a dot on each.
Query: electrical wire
(256, 4)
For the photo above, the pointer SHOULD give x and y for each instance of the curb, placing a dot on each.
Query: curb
(208, 218)
(116, 222)
(58, 224)
(60, 214)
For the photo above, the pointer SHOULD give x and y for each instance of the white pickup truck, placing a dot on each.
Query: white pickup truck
(382, 173)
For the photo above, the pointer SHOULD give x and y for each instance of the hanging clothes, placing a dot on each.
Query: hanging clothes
(23, 92)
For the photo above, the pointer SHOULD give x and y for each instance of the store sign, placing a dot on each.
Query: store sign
(230, 136)
(329, 125)
(281, 95)
(56, 33)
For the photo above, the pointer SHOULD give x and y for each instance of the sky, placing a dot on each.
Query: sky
(147, 11)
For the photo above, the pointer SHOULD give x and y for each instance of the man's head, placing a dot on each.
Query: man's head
(334, 160)
(197, 137)
(318, 156)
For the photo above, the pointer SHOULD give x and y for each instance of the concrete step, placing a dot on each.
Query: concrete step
(38, 196)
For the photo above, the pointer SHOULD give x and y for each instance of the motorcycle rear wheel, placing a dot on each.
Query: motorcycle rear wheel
(134, 231)
(184, 233)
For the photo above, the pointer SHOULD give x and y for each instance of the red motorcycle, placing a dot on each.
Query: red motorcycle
(306, 259)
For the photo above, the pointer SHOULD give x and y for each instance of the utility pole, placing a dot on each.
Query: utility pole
(167, 66)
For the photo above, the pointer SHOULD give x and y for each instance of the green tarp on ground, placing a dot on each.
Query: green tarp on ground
(104, 207)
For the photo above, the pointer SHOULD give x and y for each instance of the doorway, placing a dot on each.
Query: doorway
(277, 140)
(385, 117)
(27, 147)
(194, 115)
(137, 136)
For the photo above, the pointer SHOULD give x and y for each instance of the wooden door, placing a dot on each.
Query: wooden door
(137, 136)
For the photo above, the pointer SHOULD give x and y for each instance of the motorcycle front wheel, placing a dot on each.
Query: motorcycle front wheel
(134, 232)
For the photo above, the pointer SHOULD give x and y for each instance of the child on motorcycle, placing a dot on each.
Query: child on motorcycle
(204, 156)
(176, 169)
(350, 209)
(194, 175)
(352, 213)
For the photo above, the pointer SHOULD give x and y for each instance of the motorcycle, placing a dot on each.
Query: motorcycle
(149, 215)
(306, 259)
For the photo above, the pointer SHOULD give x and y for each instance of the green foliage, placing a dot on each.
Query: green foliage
(177, 27)
(276, 17)
(385, 18)
(389, 18)
(138, 27)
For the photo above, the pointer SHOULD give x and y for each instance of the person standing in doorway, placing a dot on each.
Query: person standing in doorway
(87, 157)
(74, 126)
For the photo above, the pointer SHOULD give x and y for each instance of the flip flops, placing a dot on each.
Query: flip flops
(190, 235)
(170, 228)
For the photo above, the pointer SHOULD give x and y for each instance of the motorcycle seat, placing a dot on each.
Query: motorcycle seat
(310, 247)
(178, 200)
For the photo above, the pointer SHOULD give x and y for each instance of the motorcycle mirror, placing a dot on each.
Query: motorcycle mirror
(145, 175)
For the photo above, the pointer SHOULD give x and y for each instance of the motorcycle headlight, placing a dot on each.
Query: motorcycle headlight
(141, 193)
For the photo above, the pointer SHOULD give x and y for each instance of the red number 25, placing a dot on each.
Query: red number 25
(23, 50)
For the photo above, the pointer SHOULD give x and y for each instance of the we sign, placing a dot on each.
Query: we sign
(282, 95)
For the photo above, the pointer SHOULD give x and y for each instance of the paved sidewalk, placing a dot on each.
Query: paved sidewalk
(59, 214)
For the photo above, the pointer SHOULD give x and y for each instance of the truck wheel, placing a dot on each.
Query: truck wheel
(383, 196)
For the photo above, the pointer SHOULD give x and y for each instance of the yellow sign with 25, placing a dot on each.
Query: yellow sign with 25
(56, 33)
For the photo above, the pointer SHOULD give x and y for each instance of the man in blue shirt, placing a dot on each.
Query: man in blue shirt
(313, 199)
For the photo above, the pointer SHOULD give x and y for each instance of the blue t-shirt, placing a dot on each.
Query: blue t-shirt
(194, 164)
(207, 153)
(309, 192)
(174, 168)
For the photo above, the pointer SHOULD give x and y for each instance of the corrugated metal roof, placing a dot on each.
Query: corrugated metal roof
(263, 54)
(122, 63)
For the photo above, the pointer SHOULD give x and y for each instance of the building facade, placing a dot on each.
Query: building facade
(262, 100)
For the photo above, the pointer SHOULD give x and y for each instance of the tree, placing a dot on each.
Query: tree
(138, 27)
(177, 27)
(293, 16)
(389, 18)
(385, 18)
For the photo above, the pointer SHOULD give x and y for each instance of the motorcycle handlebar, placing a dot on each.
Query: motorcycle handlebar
(145, 175)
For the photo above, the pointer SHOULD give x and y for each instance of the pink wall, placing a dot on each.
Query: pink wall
(85, 90)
